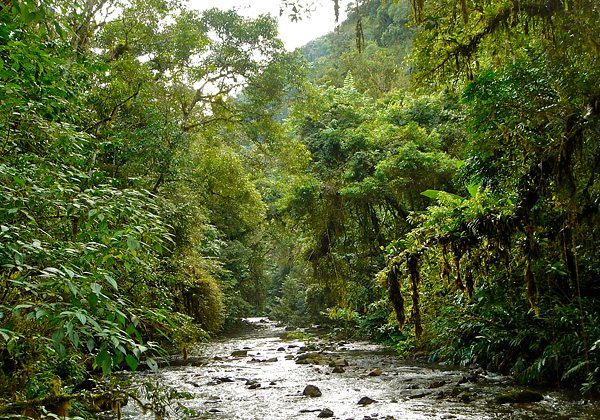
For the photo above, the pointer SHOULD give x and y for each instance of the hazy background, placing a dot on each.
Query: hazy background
(294, 34)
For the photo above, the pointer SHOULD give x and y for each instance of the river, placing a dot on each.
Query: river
(256, 375)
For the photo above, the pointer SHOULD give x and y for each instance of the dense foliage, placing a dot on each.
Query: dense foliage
(501, 267)
(427, 175)
(130, 216)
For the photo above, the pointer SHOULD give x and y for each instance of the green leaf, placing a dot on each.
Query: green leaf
(131, 361)
(431, 194)
(132, 243)
(12, 347)
(473, 188)
(81, 317)
(75, 339)
(436, 194)
(111, 281)
(152, 364)
(104, 361)
(4, 334)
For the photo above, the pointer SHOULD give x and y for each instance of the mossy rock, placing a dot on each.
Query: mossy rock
(519, 396)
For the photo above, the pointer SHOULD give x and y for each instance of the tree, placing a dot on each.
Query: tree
(100, 114)
(369, 162)
(531, 110)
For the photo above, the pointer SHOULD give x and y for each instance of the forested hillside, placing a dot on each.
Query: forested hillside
(426, 176)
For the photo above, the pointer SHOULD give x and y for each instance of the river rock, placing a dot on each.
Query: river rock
(340, 361)
(310, 347)
(465, 397)
(366, 401)
(311, 391)
(418, 395)
(375, 372)
(338, 369)
(311, 358)
(519, 396)
(239, 353)
(326, 412)
(436, 384)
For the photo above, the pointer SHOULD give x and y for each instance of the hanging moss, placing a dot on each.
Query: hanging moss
(412, 263)
(394, 292)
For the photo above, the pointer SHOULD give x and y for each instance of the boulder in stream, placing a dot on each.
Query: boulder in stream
(312, 391)
(311, 358)
(519, 396)
(340, 361)
(326, 412)
(239, 353)
(375, 372)
(436, 384)
(366, 401)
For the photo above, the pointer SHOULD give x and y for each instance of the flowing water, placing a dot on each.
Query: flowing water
(255, 375)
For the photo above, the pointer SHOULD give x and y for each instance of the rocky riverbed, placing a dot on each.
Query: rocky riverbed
(262, 374)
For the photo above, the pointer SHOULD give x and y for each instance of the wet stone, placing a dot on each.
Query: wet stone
(436, 384)
(311, 391)
(375, 372)
(465, 397)
(326, 412)
(518, 396)
(239, 353)
(366, 401)
(419, 395)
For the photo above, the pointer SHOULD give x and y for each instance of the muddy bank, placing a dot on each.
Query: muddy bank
(259, 374)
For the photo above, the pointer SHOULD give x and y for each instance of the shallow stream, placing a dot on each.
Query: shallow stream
(255, 375)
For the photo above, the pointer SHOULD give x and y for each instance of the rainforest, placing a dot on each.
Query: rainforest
(426, 177)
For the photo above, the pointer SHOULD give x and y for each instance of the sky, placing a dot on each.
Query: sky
(293, 34)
